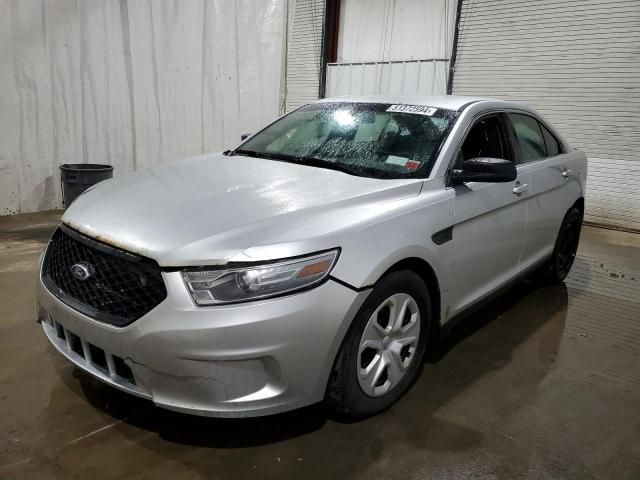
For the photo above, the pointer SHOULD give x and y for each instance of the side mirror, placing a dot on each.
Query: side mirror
(485, 170)
(244, 136)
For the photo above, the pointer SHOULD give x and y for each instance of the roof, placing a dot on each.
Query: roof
(450, 102)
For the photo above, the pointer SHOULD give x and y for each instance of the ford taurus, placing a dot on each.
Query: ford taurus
(315, 261)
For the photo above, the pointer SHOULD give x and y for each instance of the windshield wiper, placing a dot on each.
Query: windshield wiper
(248, 153)
(266, 155)
(328, 164)
(310, 161)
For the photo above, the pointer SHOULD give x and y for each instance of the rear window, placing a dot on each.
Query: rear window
(535, 141)
(530, 139)
(553, 145)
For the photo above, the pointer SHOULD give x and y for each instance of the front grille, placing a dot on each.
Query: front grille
(91, 355)
(119, 287)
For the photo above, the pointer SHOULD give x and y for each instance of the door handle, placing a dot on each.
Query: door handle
(519, 189)
(566, 173)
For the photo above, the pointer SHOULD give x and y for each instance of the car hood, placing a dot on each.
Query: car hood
(210, 209)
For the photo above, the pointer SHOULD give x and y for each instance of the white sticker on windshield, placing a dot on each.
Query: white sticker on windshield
(393, 160)
(417, 109)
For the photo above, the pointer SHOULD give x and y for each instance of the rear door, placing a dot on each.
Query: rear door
(489, 218)
(542, 157)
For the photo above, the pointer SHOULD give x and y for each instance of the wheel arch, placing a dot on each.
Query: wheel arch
(428, 275)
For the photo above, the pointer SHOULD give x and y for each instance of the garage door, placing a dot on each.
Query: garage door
(577, 62)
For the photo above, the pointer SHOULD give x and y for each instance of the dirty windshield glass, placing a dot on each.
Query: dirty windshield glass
(374, 140)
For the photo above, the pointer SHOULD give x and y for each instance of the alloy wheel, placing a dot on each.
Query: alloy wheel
(388, 344)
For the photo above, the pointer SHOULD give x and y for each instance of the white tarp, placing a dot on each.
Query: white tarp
(393, 46)
(391, 30)
(131, 83)
(428, 77)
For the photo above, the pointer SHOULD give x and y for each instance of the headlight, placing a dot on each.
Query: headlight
(213, 287)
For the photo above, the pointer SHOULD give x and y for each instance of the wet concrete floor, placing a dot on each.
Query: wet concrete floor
(542, 383)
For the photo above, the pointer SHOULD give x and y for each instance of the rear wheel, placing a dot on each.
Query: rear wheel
(564, 253)
(382, 354)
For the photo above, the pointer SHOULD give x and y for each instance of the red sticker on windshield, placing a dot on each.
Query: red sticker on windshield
(412, 165)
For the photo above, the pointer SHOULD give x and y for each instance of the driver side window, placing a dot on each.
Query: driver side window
(485, 139)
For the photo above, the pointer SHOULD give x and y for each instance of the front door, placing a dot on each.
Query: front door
(489, 219)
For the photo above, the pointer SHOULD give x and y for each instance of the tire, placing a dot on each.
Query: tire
(367, 348)
(564, 252)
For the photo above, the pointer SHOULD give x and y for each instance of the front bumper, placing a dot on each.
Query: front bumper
(250, 359)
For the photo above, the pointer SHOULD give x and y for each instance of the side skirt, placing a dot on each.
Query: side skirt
(447, 327)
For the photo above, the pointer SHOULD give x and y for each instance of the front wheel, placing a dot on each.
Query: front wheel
(382, 354)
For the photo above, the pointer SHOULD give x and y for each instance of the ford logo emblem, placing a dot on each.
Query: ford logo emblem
(81, 270)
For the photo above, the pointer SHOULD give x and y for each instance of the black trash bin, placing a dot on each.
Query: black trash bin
(77, 177)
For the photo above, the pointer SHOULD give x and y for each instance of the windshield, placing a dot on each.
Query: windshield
(368, 139)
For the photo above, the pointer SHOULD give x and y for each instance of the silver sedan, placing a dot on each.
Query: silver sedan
(315, 261)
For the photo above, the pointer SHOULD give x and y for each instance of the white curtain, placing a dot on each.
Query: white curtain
(393, 47)
(414, 77)
(389, 30)
(131, 83)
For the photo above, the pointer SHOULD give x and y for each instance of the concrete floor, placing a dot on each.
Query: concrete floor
(543, 383)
